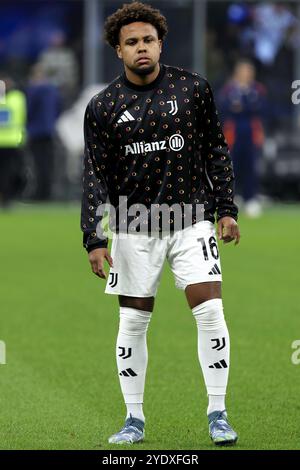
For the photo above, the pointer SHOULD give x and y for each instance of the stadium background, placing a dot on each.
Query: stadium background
(59, 387)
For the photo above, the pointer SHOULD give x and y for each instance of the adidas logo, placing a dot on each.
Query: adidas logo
(219, 365)
(126, 116)
(129, 373)
(215, 270)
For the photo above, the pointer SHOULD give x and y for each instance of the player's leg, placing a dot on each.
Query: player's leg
(195, 261)
(132, 353)
(135, 276)
(132, 359)
(205, 300)
(140, 303)
(202, 292)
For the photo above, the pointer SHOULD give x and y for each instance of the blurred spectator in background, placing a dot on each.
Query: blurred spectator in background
(272, 25)
(12, 138)
(236, 40)
(44, 104)
(262, 29)
(242, 104)
(268, 33)
(60, 65)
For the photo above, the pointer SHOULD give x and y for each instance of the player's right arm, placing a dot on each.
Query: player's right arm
(97, 258)
(95, 191)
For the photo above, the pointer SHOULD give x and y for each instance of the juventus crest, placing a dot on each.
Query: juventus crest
(174, 107)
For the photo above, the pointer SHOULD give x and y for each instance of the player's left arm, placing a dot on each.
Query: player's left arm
(219, 167)
(228, 230)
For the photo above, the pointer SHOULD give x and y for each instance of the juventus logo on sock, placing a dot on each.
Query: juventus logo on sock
(123, 354)
(128, 373)
(220, 343)
(114, 279)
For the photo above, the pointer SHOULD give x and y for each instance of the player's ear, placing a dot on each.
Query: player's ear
(160, 45)
(118, 50)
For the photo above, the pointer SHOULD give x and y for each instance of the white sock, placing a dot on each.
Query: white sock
(132, 358)
(135, 410)
(213, 349)
(215, 403)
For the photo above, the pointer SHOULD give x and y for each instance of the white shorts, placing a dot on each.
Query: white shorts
(138, 260)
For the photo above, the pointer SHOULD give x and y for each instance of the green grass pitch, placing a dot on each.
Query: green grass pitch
(59, 388)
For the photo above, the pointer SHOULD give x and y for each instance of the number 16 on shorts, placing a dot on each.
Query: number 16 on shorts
(212, 247)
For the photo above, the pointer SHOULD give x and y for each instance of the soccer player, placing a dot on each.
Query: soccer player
(153, 136)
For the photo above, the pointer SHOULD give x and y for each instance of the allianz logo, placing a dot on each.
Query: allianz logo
(175, 142)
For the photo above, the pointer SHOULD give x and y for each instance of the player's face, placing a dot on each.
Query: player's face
(139, 47)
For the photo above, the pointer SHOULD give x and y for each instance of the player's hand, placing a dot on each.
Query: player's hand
(97, 258)
(228, 230)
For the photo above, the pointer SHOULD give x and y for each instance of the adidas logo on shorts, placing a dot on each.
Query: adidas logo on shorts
(215, 270)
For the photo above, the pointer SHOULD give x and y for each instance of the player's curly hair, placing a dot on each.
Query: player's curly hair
(129, 13)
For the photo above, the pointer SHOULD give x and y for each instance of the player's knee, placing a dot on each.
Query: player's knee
(202, 292)
(133, 322)
(140, 303)
(209, 315)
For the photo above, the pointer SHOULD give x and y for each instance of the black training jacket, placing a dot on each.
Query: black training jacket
(156, 144)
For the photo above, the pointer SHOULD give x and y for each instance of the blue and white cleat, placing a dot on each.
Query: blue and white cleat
(220, 430)
(132, 432)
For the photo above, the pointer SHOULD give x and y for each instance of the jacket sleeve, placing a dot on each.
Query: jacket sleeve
(95, 192)
(216, 155)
